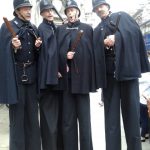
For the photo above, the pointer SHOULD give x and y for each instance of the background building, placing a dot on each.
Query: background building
(142, 16)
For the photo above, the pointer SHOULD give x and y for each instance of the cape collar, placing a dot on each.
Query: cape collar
(18, 22)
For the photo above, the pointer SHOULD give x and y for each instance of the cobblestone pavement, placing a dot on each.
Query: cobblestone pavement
(97, 119)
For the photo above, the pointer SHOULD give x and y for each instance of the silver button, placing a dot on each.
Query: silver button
(29, 43)
(29, 52)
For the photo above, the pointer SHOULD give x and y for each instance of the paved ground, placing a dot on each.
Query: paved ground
(4, 128)
(97, 127)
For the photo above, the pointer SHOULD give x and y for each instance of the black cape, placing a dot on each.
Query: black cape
(8, 81)
(130, 53)
(82, 65)
(48, 57)
(8, 86)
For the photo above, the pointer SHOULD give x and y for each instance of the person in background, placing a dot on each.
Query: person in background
(148, 106)
(120, 59)
(18, 77)
(144, 85)
(76, 65)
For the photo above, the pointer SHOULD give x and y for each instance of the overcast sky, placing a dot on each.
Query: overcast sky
(125, 5)
(6, 8)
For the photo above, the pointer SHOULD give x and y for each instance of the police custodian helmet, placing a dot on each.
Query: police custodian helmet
(99, 2)
(45, 4)
(70, 4)
(20, 3)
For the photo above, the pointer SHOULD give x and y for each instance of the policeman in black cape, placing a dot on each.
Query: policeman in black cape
(18, 78)
(120, 60)
(76, 65)
(48, 78)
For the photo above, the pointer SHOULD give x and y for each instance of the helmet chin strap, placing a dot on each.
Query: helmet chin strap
(21, 16)
(76, 15)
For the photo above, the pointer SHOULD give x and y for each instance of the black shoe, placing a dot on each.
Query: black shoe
(147, 136)
(142, 139)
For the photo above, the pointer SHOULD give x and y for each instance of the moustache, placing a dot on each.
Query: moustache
(28, 15)
(101, 11)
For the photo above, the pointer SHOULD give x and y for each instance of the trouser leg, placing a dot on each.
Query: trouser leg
(32, 129)
(84, 119)
(70, 132)
(16, 118)
(111, 97)
(143, 119)
(60, 135)
(24, 125)
(49, 119)
(17, 135)
(131, 113)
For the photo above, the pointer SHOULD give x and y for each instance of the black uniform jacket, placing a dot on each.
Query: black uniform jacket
(82, 70)
(130, 54)
(8, 71)
(48, 57)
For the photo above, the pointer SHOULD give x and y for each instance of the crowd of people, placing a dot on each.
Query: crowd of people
(52, 70)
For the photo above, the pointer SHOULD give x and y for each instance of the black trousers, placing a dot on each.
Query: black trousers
(144, 119)
(49, 109)
(76, 110)
(24, 124)
(60, 134)
(126, 95)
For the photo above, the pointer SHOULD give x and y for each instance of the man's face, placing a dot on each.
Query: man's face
(24, 13)
(102, 11)
(72, 14)
(48, 14)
